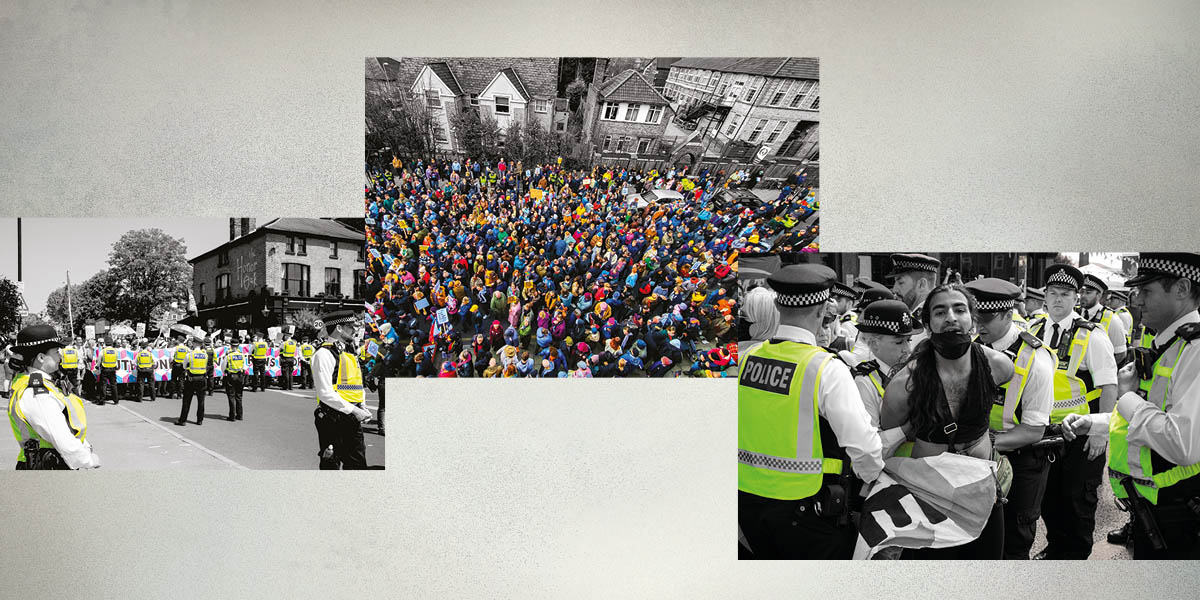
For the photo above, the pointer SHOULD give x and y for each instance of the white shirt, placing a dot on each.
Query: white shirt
(1038, 398)
(44, 414)
(872, 400)
(324, 364)
(1116, 327)
(839, 403)
(1174, 433)
(1098, 360)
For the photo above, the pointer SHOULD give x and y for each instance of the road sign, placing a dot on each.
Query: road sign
(762, 153)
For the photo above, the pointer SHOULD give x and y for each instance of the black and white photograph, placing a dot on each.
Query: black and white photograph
(968, 405)
(168, 343)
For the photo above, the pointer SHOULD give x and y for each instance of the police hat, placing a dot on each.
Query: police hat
(1122, 294)
(36, 339)
(802, 285)
(994, 295)
(1063, 275)
(872, 294)
(337, 318)
(1156, 265)
(888, 317)
(842, 290)
(1035, 293)
(861, 283)
(1091, 281)
(903, 263)
(757, 265)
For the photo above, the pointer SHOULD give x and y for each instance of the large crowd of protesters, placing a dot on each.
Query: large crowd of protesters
(510, 270)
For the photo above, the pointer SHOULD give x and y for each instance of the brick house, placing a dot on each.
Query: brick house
(508, 89)
(625, 116)
(262, 276)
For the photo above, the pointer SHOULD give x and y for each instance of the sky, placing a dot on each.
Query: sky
(54, 246)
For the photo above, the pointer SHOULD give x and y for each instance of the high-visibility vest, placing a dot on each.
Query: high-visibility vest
(780, 451)
(1072, 389)
(75, 415)
(1150, 470)
(1128, 330)
(289, 349)
(181, 353)
(235, 362)
(306, 351)
(1021, 322)
(347, 376)
(108, 358)
(1006, 409)
(70, 358)
(199, 364)
(260, 351)
(145, 359)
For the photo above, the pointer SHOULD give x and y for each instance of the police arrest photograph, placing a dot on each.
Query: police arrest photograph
(197, 343)
(969, 406)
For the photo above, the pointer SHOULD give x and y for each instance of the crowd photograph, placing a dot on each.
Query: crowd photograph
(513, 229)
(112, 345)
(968, 405)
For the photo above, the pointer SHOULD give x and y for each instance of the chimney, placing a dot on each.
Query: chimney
(601, 72)
(239, 227)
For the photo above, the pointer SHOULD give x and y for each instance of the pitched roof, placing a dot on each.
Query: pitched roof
(442, 70)
(382, 68)
(538, 75)
(516, 81)
(630, 86)
(788, 67)
(327, 228)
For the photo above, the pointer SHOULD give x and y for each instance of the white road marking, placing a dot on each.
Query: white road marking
(187, 441)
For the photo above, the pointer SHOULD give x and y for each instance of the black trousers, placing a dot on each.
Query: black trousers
(1180, 529)
(1069, 505)
(233, 391)
(344, 433)
(108, 383)
(71, 376)
(286, 367)
(177, 376)
(789, 529)
(258, 381)
(1024, 507)
(306, 375)
(145, 377)
(193, 386)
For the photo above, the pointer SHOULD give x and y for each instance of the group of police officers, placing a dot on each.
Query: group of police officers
(1044, 381)
(41, 376)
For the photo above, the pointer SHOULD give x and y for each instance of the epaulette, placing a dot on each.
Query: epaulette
(846, 318)
(1030, 339)
(1039, 320)
(1187, 331)
(836, 355)
(36, 384)
(1084, 323)
(864, 368)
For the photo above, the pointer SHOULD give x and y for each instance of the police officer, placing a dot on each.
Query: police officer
(872, 293)
(145, 371)
(341, 410)
(846, 332)
(235, 368)
(1154, 432)
(792, 476)
(108, 373)
(1085, 381)
(258, 359)
(177, 372)
(1035, 300)
(50, 426)
(68, 370)
(886, 330)
(306, 353)
(1092, 310)
(915, 275)
(287, 360)
(198, 368)
(1118, 301)
(1019, 417)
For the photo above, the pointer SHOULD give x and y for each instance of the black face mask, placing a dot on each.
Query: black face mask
(950, 344)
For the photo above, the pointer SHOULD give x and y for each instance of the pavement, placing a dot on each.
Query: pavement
(277, 432)
(1108, 517)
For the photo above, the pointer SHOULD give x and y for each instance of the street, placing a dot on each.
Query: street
(277, 433)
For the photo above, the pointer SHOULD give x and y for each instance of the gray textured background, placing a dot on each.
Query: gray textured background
(1074, 124)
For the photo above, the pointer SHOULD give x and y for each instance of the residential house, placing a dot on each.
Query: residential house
(625, 116)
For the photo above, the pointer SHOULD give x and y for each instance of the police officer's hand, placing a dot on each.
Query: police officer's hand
(1095, 446)
(1127, 380)
(364, 414)
(1074, 425)
(95, 461)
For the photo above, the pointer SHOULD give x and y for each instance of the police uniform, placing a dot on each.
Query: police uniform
(198, 368)
(108, 373)
(258, 358)
(905, 263)
(799, 420)
(287, 361)
(177, 373)
(871, 376)
(846, 331)
(68, 369)
(235, 369)
(873, 292)
(1039, 295)
(50, 426)
(1105, 317)
(1154, 431)
(1085, 362)
(1123, 313)
(306, 354)
(339, 386)
(1027, 399)
(145, 373)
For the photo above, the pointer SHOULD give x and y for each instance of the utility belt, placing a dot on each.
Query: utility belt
(196, 376)
(38, 458)
(331, 416)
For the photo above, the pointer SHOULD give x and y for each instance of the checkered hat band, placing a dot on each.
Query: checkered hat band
(38, 342)
(1172, 267)
(338, 321)
(912, 265)
(996, 305)
(1063, 277)
(888, 325)
(1092, 284)
(844, 293)
(802, 299)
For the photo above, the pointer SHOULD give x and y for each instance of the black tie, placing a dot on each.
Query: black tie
(1054, 340)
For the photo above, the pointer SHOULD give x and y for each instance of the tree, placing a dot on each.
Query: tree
(10, 306)
(514, 142)
(575, 94)
(95, 298)
(147, 268)
(398, 124)
(305, 321)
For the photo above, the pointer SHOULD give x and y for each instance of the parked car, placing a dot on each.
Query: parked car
(653, 197)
